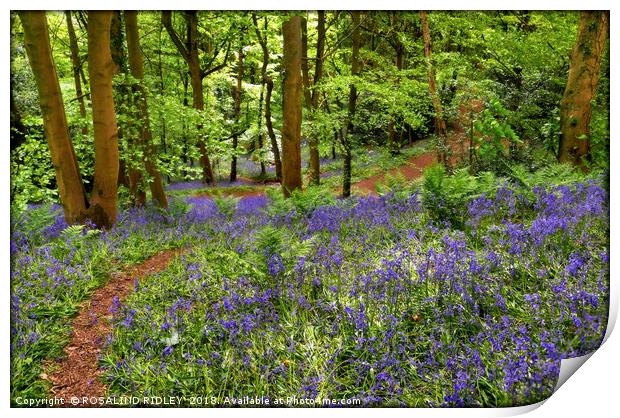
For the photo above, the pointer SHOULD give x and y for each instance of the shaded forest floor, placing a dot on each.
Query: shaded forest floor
(415, 158)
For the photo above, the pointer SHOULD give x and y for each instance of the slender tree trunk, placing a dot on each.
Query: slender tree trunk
(190, 55)
(305, 68)
(237, 101)
(268, 82)
(136, 66)
(311, 97)
(160, 73)
(583, 76)
(272, 135)
(129, 173)
(307, 96)
(336, 134)
(127, 176)
(291, 106)
(393, 141)
(260, 142)
(320, 51)
(68, 178)
(346, 141)
(103, 199)
(260, 139)
(440, 123)
(198, 103)
(75, 62)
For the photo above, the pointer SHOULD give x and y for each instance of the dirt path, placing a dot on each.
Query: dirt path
(414, 167)
(77, 374)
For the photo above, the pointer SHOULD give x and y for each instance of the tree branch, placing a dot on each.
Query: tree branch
(348, 35)
(206, 72)
(166, 20)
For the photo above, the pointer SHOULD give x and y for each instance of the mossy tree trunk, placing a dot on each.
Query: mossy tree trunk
(583, 76)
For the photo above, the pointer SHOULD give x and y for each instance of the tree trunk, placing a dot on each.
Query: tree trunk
(272, 136)
(320, 50)
(190, 55)
(136, 66)
(311, 98)
(128, 172)
(346, 142)
(440, 123)
(68, 178)
(583, 76)
(260, 139)
(237, 101)
(393, 140)
(75, 62)
(259, 121)
(291, 106)
(103, 199)
(268, 82)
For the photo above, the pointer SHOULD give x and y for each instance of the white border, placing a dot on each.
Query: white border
(591, 392)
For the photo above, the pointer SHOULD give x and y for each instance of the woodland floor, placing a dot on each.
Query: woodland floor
(77, 374)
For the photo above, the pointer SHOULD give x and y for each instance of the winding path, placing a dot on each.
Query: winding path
(77, 375)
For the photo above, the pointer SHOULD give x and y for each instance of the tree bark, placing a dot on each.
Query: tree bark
(237, 101)
(190, 55)
(440, 123)
(68, 178)
(305, 68)
(393, 138)
(268, 83)
(320, 51)
(136, 66)
(129, 173)
(291, 106)
(272, 135)
(103, 199)
(260, 138)
(345, 138)
(583, 76)
(75, 62)
(311, 97)
(259, 122)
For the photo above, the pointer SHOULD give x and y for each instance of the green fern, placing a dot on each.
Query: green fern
(226, 204)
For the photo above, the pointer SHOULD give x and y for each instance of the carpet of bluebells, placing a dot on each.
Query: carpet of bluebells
(369, 298)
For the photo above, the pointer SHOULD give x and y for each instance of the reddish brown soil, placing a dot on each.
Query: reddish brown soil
(415, 165)
(78, 374)
(411, 170)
